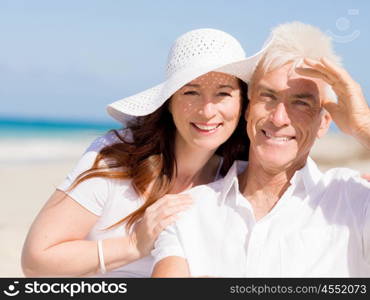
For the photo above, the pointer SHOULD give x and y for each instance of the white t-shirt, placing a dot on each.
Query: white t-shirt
(111, 200)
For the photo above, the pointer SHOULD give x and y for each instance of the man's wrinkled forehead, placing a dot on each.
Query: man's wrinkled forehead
(285, 79)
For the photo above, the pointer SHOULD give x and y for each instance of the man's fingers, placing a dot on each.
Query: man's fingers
(341, 73)
(336, 85)
(337, 74)
(331, 107)
(319, 66)
(314, 73)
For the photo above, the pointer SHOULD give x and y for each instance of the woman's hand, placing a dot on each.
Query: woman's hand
(156, 218)
(366, 176)
(351, 113)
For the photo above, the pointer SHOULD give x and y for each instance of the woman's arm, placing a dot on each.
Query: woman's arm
(172, 266)
(56, 245)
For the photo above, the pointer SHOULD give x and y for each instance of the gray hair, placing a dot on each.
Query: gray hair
(291, 43)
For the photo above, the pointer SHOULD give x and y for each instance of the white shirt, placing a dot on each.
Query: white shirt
(320, 227)
(111, 200)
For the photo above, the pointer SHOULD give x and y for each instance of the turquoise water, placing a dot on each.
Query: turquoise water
(21, 128)
(42, 141)
(27, 128)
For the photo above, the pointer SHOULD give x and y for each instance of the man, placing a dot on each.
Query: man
(279, 216)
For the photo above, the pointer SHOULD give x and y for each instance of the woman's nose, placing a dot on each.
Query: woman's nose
(208, 108)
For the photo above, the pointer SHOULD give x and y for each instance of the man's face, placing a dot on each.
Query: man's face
(284, 118)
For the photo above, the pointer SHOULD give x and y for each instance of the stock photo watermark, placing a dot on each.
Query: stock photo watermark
(67, 288)
(344, 33)
(12, 289)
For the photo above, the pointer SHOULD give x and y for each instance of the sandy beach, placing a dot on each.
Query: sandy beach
(27, 184)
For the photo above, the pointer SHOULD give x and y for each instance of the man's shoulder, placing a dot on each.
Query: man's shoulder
(343, 175)
(110, 138)
(207, 206)
(348, 180)
(206, 190)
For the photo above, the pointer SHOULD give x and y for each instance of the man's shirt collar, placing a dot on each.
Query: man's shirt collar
(309, 174)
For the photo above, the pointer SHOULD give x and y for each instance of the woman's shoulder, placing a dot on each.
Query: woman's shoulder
(110, 138)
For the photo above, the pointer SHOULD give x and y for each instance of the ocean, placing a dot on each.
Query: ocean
(41, 141)
(25, 141)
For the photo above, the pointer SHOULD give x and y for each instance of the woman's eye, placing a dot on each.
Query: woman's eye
(224, 94)
(191, 93)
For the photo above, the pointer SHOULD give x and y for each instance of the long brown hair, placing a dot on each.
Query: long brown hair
(148, 158)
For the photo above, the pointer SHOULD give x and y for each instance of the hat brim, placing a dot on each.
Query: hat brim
(150, 100)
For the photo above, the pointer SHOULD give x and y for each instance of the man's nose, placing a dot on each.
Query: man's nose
(279, 116)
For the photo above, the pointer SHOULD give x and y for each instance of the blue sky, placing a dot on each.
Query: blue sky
(69, 59)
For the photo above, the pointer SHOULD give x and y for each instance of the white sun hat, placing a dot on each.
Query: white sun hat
(193, 54)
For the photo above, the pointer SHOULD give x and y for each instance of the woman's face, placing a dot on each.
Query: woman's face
(206, 111)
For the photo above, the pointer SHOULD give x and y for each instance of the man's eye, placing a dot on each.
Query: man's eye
(191, 93)
(268, 95)
(300, 102)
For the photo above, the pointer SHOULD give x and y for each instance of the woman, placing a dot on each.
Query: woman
(184, 132)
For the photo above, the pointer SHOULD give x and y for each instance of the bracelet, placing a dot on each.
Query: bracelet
(101, 257)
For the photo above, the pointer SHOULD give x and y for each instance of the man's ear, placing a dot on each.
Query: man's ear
(324, 125)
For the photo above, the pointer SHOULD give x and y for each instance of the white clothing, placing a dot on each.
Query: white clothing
(320, 227)
(111, 200)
